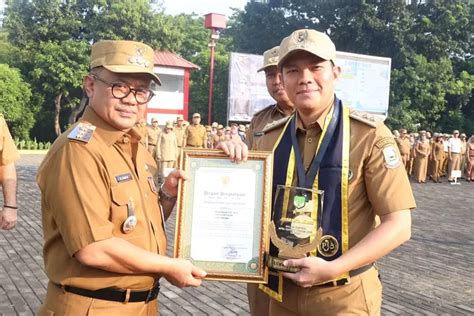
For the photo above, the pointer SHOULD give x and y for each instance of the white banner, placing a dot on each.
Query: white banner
(364, 84)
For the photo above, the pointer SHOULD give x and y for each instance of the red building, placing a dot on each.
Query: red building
(172, 97)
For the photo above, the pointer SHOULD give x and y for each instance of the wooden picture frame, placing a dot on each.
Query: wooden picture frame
(223, 214)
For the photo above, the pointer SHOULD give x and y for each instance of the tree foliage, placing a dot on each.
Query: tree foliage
(15, 95)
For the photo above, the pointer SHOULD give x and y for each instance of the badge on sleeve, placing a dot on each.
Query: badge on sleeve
(390, 153)
(391, 157)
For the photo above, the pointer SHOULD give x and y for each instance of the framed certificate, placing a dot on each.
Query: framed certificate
(223, 214)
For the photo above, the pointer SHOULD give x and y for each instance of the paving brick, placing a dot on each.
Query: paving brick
(431, 274)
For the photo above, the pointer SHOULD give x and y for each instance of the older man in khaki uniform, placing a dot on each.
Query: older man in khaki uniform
(8, 156)
(274, 112)
(153, 132)
(359, 168)
(195, 135)
(104, 238)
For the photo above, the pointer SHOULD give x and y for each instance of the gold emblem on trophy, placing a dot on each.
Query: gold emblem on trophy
(293, 224)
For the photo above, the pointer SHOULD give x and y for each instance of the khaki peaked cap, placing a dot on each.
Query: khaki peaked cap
(270, 58)
(124, 57)
(311, 41)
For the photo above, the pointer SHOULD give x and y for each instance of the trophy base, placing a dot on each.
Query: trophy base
(277, 264)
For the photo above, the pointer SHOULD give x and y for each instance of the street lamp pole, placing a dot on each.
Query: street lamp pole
(214, 22)
(212, 45)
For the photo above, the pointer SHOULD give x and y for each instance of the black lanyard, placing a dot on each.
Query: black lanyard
(307, 180)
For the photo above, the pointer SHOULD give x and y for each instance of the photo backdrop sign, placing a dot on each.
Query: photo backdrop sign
(364, 84)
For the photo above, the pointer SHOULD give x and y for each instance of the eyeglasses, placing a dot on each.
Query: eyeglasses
(121, 90)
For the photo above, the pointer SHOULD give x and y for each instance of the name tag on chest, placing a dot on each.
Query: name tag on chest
(123, 177)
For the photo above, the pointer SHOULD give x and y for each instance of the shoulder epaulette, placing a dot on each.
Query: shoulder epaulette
(264, 110)
(82, 132)
(366, 118)
(272, 125)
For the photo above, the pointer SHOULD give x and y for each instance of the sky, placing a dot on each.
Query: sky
(202, 7)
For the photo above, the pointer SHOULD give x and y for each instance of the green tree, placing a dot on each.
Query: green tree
(59, 68)
(15, 95)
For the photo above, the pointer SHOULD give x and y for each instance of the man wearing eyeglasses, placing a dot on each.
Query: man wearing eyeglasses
(103, 217)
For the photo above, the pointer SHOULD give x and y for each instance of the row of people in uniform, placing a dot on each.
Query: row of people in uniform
(165, 143)
(435, 156)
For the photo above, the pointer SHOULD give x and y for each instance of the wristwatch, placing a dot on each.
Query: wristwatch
(165, 196)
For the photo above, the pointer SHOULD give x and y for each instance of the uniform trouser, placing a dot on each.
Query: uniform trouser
(164, 165)
(454, 164)
(435, 170)
(430, 169)
(444, 165)
(463, 164)
(362, 296)
(410, 164)
(259, 302)
(151, 149)
(60, 302)
(406, 160)
(176, 162)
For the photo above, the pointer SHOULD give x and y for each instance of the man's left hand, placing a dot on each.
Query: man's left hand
(8, 218)
(236, 149)
(314, 270)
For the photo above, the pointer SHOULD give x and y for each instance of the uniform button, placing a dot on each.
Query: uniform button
(146, 195)
(309, 140)
(125, 140)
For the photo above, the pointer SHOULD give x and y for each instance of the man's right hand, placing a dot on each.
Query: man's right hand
(182, 273)
(8, 218)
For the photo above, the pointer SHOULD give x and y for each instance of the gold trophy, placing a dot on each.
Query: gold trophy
(293, 229)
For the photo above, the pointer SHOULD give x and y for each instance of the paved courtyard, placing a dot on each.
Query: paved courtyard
(432, 274)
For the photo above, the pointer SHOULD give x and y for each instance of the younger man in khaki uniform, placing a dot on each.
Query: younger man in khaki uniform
(180, 130)
(283, 106)
(105, 244)
(8, 155)
(153, 132)
(404, 146)
(166, 149)
(195, 135)
(362, 176)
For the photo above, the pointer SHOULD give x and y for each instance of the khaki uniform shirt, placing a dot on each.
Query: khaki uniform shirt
(85, 188)
(153, 134)
(438, 151)
(196, 136)
(260, 120)
(375, 188)
(404, 145)
(8, 151)
(179, 132)
(167, 147)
